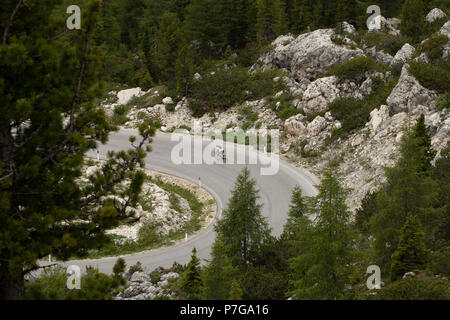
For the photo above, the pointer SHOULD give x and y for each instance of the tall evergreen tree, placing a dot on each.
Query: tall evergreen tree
(411, 252)
(48, 123)
(242, 228)
(271, 20)
(192, 282)
(408, 189)
(297, 212)
(424, 142)
(169, 39)
(218, 274)
(235, 291)
(413, 19)
(322, 269)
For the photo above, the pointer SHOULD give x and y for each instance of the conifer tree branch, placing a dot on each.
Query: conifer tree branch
(10, 22)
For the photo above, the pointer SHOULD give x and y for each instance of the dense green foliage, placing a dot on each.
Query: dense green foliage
(435, 76)
(49, 121)
(51, 285)
(322, 270)
(411, 253)
(354, 69)
(225, 88)
(354, 113)
(243, 229)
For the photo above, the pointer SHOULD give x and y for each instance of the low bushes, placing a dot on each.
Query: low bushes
(384, 41)
(354, 113)
(285, 109)
(353, 69)
(434, 76)
(225, 88)
(434, 46)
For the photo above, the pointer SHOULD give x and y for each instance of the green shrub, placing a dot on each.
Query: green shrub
(354, 113)
(384, 41)
(226, 88)
(94, 286)
(434, 76)
(443, 101)
(247, 112)
(419, 288)
(353, 69)
(147, 234)
(170, 107)
(119, 117)
(285, 110)
(434, 46)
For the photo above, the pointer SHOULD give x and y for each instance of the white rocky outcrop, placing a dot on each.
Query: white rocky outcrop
(317, 125)
(307, 56)
(296, 125)
(404, 54)
(125, 96)
(167, 100)
(378, 117)
(319, 94)
(409, 93)
(141, 287)
(391, 25)
(347, 27)
(445, 30)
(435, 14)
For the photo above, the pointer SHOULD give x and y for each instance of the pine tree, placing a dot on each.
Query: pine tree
(424, 142)
(218, 274)
(192, 282)
(243, 229)
(184, 69)
(48, 123)
(322, 270)
(297, 212)
(271, 20)
(413, 19)
(408, 189)
(169, 39)
(411, 252)
(235, 291)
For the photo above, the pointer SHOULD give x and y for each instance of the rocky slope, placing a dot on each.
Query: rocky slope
(306, 139)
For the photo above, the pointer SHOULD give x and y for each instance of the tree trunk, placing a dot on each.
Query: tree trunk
(12, 288)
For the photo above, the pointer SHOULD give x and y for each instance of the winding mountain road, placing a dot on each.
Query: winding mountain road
(218, 179)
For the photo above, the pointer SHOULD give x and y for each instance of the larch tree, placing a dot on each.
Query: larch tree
(243, 229)
(411, 253)
(408, 189)
(48, 122)
(192, 282)
(322, 269)
(413, 19)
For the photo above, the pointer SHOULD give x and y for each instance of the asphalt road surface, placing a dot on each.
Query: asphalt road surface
(218, 179)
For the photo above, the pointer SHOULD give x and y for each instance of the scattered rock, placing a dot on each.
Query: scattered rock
(404, 54)
(435, 14)
(167, 100)
(125, 96)
(409, 93)
(307, 56)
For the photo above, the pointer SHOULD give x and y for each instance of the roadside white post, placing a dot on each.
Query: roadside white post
(98, 155)
(199, 182)
(185, 236)
(49, 258)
